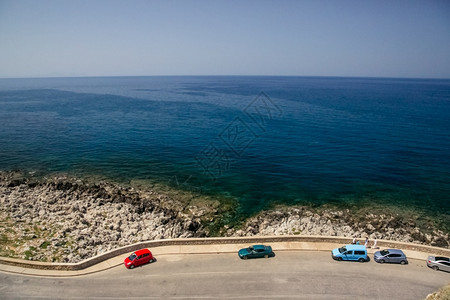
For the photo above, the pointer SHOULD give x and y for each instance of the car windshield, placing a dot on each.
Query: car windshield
(132, 256)
(342, 249)
(250, 249)
(384, 252)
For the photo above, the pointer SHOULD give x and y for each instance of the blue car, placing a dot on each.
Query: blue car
(350, 252)
(256, 251)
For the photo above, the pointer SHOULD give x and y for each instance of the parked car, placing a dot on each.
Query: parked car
(439, 263)
(256, 251)
(138, 258)
(390, 256)
(350, 252)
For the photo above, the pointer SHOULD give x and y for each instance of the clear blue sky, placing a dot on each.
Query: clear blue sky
(41, 38)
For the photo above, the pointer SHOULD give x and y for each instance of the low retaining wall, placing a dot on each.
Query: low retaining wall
(209, 241)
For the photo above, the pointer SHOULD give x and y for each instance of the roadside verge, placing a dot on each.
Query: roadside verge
(203, 246)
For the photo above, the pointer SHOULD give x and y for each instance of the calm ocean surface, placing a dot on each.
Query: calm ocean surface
(260, 140)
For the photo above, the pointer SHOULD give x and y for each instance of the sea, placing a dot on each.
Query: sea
(261, 140)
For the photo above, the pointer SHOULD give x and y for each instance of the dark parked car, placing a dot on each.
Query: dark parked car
(439, 263)
(256, 251)
(138, 258)
(395, 256)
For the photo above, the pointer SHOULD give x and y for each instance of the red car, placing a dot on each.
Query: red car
(138, 258)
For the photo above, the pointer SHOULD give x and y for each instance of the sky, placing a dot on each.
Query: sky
(194, 37)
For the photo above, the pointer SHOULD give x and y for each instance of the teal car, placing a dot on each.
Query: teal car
(350, 252)
(256, 251)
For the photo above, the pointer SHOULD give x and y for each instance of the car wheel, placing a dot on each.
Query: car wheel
(245, 257)
(435, 268)
(382, 261)
(339, 258)
(403, 262)
(361, 260)
(131, 266)
(266, 256)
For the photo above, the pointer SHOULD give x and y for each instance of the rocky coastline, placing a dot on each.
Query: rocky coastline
(342, 222)
(66, 219)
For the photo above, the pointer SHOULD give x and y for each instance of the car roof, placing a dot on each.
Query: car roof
(141, 251)
(395, 251)
(355, 247)
(258, 247)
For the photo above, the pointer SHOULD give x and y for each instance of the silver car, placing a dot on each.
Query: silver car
(439, 263)
(390, 256)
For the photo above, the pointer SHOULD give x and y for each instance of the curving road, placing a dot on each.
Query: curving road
(291, 274)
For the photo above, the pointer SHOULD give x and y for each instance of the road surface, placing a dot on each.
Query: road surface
(290, 274)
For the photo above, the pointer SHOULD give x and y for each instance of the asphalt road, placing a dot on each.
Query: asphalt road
(290, 274)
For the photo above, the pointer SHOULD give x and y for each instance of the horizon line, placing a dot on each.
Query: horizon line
(305, 76)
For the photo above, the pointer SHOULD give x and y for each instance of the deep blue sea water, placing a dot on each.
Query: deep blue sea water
(260, 140)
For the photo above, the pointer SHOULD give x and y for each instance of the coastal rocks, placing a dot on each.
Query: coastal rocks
(440, 241)
(63, 220)
(301, 220)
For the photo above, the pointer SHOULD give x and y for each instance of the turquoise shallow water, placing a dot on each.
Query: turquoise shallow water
(260, 140)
